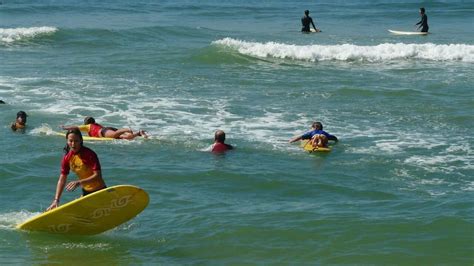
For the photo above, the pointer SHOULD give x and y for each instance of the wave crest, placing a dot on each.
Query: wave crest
(351, 52)
(17, 34)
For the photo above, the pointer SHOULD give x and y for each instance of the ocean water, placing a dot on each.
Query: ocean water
(396, 189)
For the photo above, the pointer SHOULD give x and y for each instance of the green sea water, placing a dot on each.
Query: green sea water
(396, 189)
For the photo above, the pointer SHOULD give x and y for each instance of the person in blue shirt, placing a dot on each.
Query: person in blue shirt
(317, 129)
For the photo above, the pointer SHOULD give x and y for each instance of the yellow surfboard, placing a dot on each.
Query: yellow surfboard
(91, 214)
(306, 145)
(87, 138)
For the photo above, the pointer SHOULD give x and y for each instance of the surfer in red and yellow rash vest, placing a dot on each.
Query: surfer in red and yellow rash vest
(84, 162)
(96, 130)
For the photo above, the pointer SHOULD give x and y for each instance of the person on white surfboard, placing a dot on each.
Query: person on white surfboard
(424, 21)
(307, 21)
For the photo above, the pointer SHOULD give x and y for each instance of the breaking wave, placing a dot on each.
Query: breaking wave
(17, 34)
(351, 52)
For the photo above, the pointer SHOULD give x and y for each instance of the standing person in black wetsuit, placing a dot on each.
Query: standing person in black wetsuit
(307, 21)
(424, 21)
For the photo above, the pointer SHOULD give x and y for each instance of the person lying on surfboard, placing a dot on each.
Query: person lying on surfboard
(99, 131)
(317, 129)
(82, 161)
(424, 21)
(219, 145)
(307, 21)
(20, 122)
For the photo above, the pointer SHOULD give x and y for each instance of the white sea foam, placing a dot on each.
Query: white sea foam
(16, 34)
(351, 52)
(443, 163)
(76, 246)
(192, 121)
(469, 186)
(10, 220)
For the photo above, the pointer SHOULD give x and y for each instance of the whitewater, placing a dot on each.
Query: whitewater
(351, 52)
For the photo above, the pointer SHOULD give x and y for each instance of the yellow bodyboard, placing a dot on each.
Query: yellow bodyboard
(87, 138)
(91, 214)
(306, 145)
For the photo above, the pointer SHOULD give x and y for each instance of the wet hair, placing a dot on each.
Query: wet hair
(323, 139)
(317, 125)
(422, 10)
(74, 131)
(21, 114)
(306, 12)
(89, 120)
(219, 136)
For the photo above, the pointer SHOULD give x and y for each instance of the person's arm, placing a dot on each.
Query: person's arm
(69, 127)
(312, 23)
(295, 139)
(332, 137)
(83, 128)
(306, 135)
(421, 21)
(59, 190)
(71, 186)
(13, 126)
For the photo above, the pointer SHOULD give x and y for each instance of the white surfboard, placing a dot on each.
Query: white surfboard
(397, 32)
(314, 31)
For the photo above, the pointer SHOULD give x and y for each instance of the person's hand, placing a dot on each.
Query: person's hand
(53, 205)
(71, 186)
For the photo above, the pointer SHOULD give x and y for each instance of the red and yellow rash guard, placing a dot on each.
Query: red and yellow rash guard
(83, 164)
(92, 129)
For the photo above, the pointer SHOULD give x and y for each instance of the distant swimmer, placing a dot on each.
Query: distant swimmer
(219, 145)
(2, 102)
(307, 21)
(82, 161)
(424, 21)
(20, 122)
(99, 131)
(316, 130)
